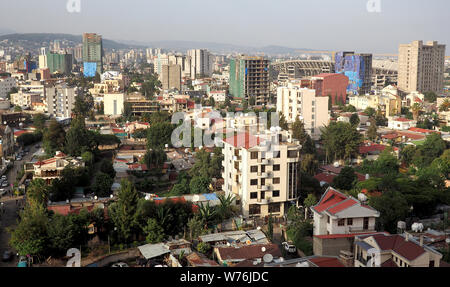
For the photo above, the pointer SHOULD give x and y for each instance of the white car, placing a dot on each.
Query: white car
(4, 177)
(5, 184)
(3, 192)
(119, 264)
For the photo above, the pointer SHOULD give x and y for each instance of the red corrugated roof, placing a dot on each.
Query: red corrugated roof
(424, 131)
(331, 198)
(327, 262)
(325, 177)
(398, 244)
(371, 148)
(342, 206)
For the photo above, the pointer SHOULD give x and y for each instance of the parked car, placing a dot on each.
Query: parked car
(3, 192)
(289, 247)
(5, 184)
(7, 256)
(119, 264)
(4, 177)
(19, 158)
(37, 146)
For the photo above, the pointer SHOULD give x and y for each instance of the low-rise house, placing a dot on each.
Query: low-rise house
(235, 238)
(6, 142)
(231, 256)
(337, 215)
(199, 260)
(400, 123)
(310, 261)
(395, 250)
(52, 168)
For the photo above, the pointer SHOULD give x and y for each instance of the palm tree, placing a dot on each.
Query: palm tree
(38, 191)
(224, 209)
(207, 213)
(415, 111)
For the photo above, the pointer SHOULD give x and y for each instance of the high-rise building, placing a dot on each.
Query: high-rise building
(171, 77)
(358, 69)
(93, 52)
(201, 63)
(264, 181)
(294, 101)
(249, 77)
(61, 63)
(421, 67)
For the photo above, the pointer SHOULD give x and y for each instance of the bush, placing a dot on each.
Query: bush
(203, 247)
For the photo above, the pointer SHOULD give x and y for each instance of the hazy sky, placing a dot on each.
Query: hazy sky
(315, 24)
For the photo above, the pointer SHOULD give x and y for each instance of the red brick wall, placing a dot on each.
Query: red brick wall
(334, 85)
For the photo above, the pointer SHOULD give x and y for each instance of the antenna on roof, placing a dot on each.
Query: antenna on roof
(268, 258)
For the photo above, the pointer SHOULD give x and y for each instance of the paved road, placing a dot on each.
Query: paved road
(11, 205)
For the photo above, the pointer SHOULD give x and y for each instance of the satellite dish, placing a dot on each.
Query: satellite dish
(302, 264)
(95, 197)
(268, 258)
(259, 228)
(196, 198)
(166, 145)
(228, 244)
(111, 196)
(263, 249)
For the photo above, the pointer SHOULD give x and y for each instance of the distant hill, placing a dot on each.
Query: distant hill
(37, 38)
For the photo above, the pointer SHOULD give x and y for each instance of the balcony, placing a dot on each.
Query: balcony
(360, 229)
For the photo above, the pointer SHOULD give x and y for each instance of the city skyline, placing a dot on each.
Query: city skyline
(397, 23)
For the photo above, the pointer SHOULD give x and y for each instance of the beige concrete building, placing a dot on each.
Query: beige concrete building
(264, 180)
(293, 101)
(382, 250)
(171, 77)
(421, 67)
(141, 105)
(113, 104)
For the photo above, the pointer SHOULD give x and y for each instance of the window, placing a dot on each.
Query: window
(276, 154)
(276, 193)
(328, 219)
(274, 207)
(253, 182)
(254, 155)
(276, 167)
(254, 168)
(276, 180)
(263, 194)
(292, 153)
(341, 222)
(431, 263)
(253, 195)
(263, 181)
(349, 221)
(254, 209)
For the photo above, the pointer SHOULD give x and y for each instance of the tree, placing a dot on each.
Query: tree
(433, 147)
(107, 167)
(196, 227)
(155, 158)
(127, 111)
(309, 164)
(252, 101)
(346, 179)
(102, 185)
(370, 112)
(224, 210)
(212, 102)
(30, 236)
(311, 200)
(88, 158)
(153, 231)
(349, 109)
(430, 97)
(282, 122)
(123, 212)
(354, 120)
(79, 139)
(371, 133)
(199, 185)
(341, 140)
(81, 107)
(159, 134)
(17, 109)
(203, 247)
(54, 138)
(416, 108)
(39, 121)
(298, 130)
(38, 191)
(393, 207)
(270, 228)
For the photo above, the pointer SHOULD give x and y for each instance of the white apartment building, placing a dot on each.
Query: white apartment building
(201, 62)
(400, 123)
(25, 99)
(337, 213)
(263, 180)
(60, 100)
(293, 101)
(6, 84)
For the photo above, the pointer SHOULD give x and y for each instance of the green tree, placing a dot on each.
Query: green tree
(346, 179)
(30, 236)
(370, 112)
(155, 158)
(39, 121)
(102, 185)
(199, 185)
(341, 140)
(354, 120)
(212, 102)
(430, 97)
(123, 212)
(38, 191)
(203, 247)
(371, 133)
(159, 134)
(107, 167)
(282, 122)
(17, 109)
(153, 231)
(196, 227)
(311, 200)
(298, 130)
(54, 138)
(393, 207)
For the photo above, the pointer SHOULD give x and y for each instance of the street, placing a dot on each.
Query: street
(10, 208)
